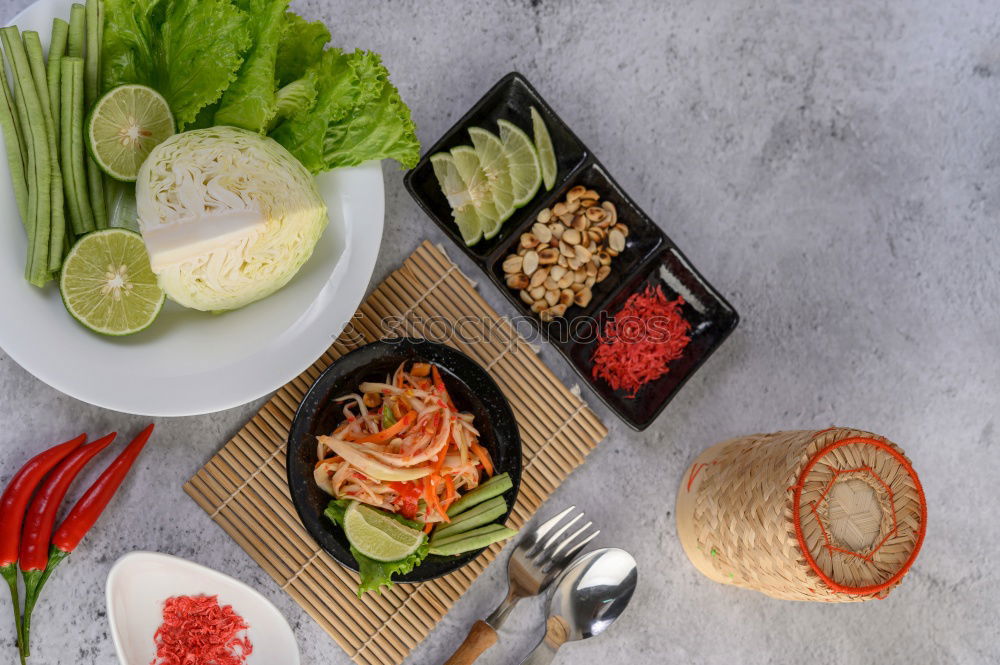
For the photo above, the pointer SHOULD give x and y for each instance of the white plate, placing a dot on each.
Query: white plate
(192, 362)
(140, 582)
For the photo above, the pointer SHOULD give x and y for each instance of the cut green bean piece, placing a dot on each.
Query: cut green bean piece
(495, 486)
(489, 528)
(473, 540)
(14, 145)
(475, 517)
(57, 220)
(33, 125)
(74, 172)
(77, 30)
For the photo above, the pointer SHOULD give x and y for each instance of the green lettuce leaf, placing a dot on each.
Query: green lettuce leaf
(295, 98)
(339, 88)
(301, 46)
(250, 101)
(358, 115)
(188, 50)
(377, 574)
(378, 130)
(127, 48)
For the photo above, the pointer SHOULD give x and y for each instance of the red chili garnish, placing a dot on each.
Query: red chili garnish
(197, 630)
(639, 343)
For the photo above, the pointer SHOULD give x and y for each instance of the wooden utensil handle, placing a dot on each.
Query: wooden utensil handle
(481, 637)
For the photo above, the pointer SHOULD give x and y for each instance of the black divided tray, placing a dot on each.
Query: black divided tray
(649, 257)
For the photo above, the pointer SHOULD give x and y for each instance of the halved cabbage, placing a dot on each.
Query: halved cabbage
(228, 216)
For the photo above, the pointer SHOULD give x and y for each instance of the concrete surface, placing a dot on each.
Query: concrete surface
(832, 167)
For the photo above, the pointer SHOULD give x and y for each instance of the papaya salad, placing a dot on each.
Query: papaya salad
(408, 476)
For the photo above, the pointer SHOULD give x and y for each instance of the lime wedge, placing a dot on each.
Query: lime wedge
(455, 191)
(107, 284)
(493, 161)
(546, 153)
(124, 126)
(525, 173)
(378, 536)
(467, 163)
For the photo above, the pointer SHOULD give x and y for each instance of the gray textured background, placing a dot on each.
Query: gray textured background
(832, 167)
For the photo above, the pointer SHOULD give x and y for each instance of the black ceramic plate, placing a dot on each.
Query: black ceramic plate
(471, 388)
(647, 250)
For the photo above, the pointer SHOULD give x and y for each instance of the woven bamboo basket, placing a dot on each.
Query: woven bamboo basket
(836, 515)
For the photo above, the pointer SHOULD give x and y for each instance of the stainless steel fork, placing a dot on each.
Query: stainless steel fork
(537, 560)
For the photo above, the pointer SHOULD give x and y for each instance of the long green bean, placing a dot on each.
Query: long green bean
(14, 145)
(66, 142)
(74, 172)
(33, 126)
(57, 49)
(92, 57)
(77, 30)
(92, 69)
(57, 218)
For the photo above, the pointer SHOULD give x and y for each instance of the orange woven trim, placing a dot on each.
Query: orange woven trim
(796, 517)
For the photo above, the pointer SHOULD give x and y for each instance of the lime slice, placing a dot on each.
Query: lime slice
(124, 126)
(455, 191)
(107, 284)
(546, 153)
(378, 536)
(493, 161)
(478, 186)
(525, 172)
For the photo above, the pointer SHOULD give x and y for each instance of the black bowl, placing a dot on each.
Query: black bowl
(472, 390)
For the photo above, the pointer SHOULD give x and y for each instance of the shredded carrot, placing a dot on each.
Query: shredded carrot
(449, 494)
(388, 434)
(484, 457)
(439, 384)
(432, 498)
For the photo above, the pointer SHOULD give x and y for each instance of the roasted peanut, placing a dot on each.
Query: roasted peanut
(518, 281)
(513, 264)
(530, 262)
(542, 232)
(548, 256)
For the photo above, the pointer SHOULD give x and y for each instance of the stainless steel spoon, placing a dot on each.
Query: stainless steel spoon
(589, 596)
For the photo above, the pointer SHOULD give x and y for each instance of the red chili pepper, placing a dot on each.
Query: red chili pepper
(38, 523)
(41, 515)
(90, 506)
(14, 502)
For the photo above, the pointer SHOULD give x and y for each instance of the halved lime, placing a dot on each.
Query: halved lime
(469, 167)
(378, 536)
(455, 191)
(493, 161)
(124, 126)
(546, 153)
(107, 284)
(525, 172)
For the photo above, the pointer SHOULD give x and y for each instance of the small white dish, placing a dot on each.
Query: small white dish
(140, 582)
(189, 362)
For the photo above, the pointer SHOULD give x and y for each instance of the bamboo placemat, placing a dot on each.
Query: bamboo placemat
(244, 490)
